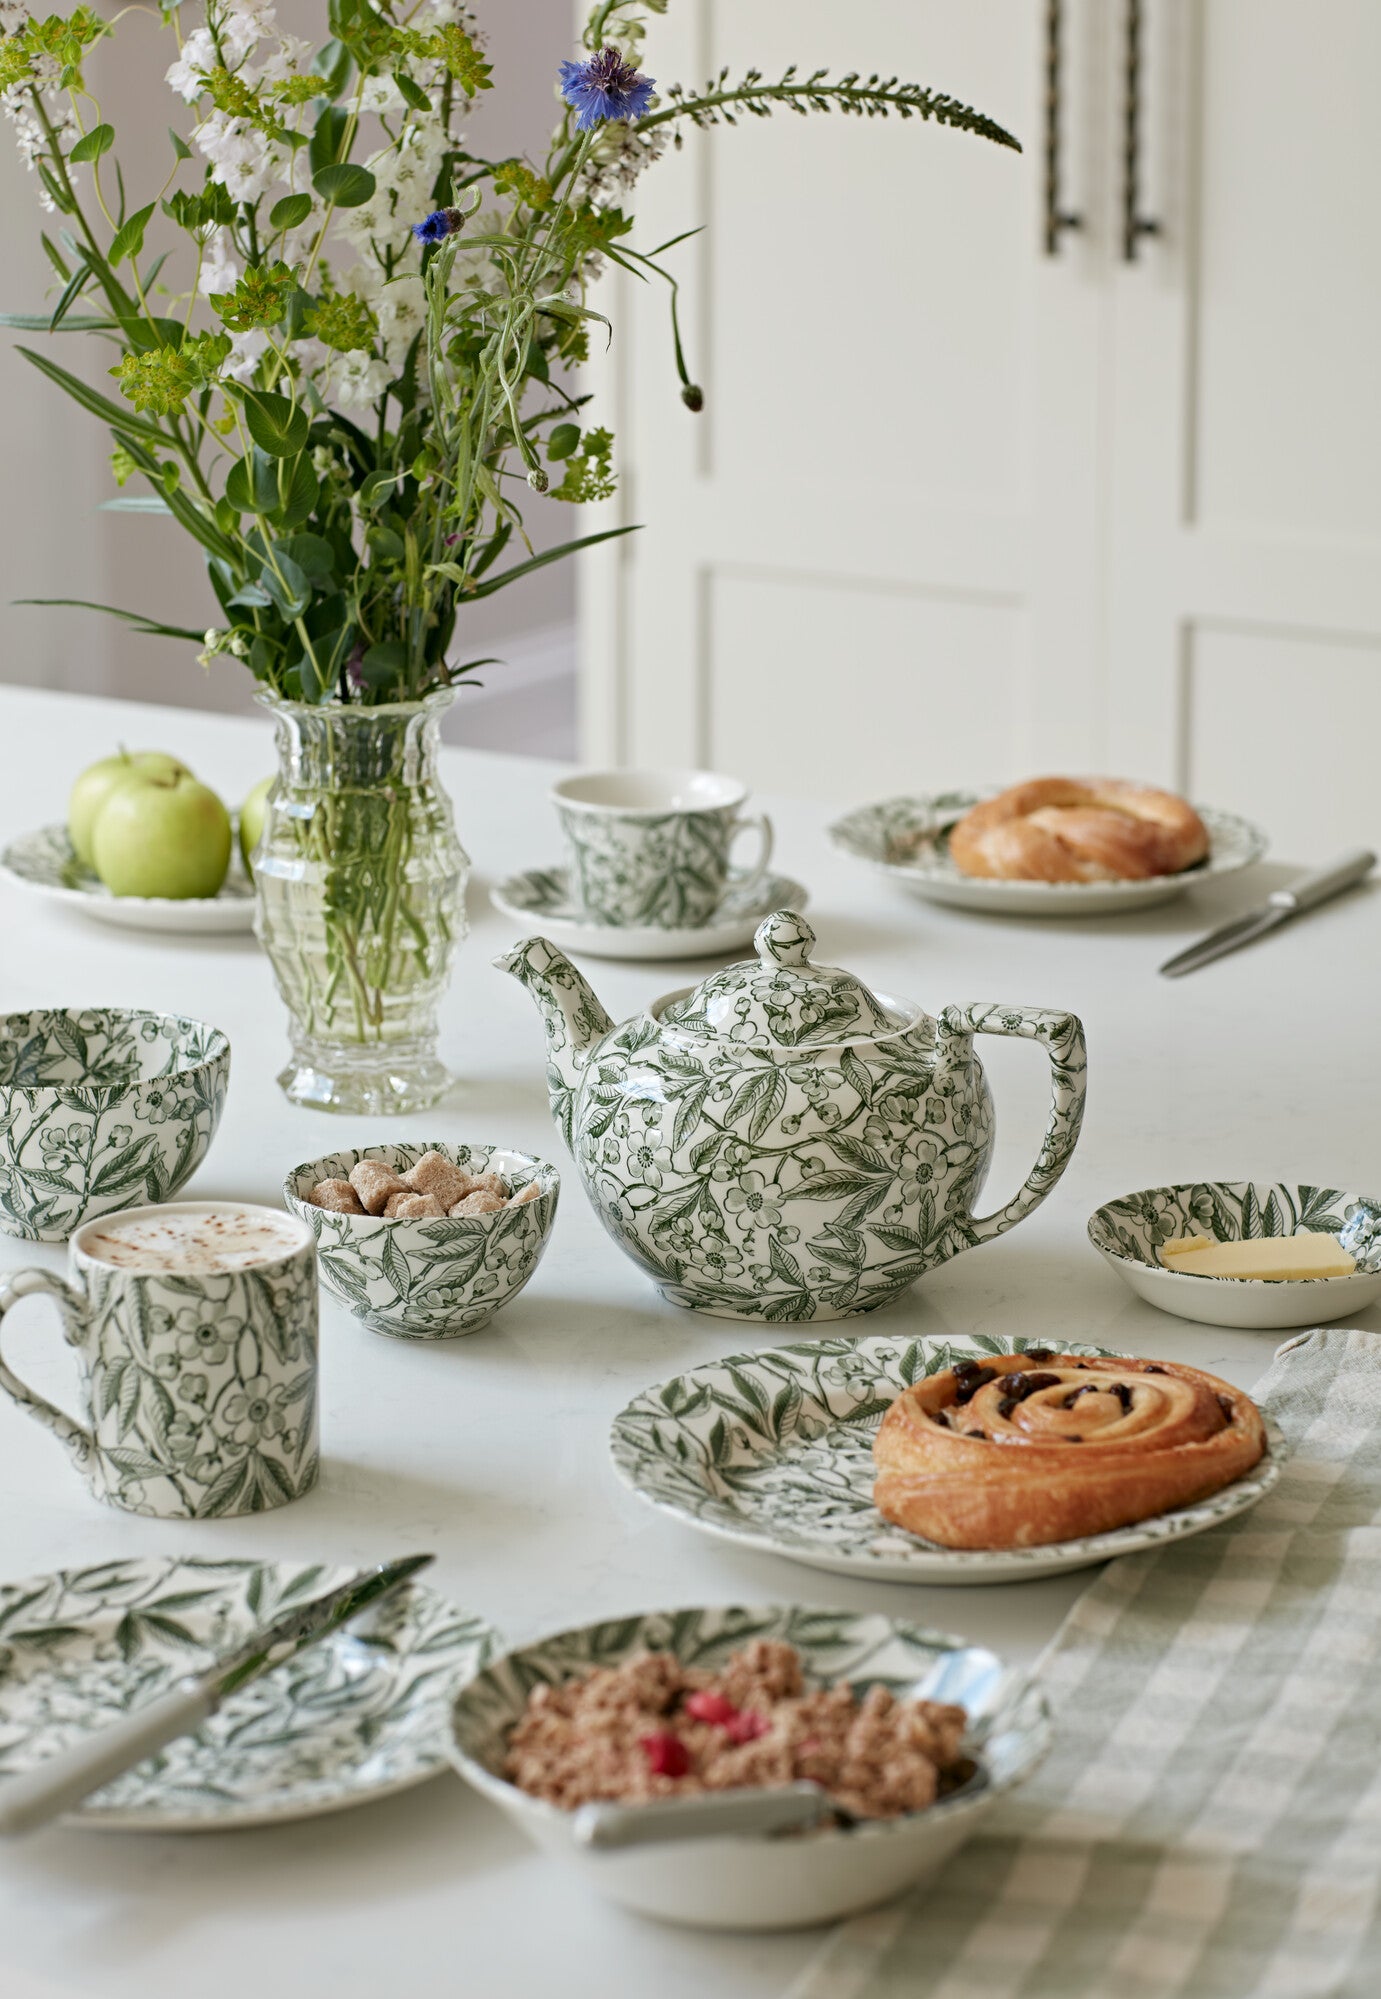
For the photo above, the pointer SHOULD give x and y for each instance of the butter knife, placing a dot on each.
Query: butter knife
(1282, 904)
(59, 1782)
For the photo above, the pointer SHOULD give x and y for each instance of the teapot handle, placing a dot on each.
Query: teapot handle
(1063, 1038)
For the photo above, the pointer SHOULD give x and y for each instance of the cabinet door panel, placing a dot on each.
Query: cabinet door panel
(892, 487)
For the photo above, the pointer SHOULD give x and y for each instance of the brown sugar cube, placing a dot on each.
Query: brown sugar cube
(409, 1207)
(337, 1195)
(531, 1192)
(489, 1183)
(481, 1202)
(434, 1174)
(375, 1183)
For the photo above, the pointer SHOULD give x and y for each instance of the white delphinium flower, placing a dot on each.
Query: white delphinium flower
(358, 380)
(401, 312)
(220, 267)
(198, 57)
(243, 24)
(242, 159)
(380, 96)
(285, 59)
(29, 134)
(246, 352)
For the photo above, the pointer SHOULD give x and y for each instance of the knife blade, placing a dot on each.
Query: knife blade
(53, 1786)
(1279, 907)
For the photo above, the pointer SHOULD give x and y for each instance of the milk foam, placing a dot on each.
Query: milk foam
(193, 1239)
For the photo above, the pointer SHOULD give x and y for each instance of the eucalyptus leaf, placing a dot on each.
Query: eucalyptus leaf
(347, 185)
(290, 211)
(328, 137)
(277, 425)
(92, 144)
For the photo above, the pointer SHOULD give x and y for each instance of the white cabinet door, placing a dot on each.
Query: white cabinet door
(1244, 630)
(869, 564)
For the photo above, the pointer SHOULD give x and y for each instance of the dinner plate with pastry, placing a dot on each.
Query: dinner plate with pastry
(954, 1460)
(1051, 846)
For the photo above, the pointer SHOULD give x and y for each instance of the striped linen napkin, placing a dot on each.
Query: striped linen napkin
(1208, 1825)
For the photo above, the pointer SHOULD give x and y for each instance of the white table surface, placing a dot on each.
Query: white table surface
(492, 1450)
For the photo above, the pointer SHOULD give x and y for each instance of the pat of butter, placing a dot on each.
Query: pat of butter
(1270, 1257)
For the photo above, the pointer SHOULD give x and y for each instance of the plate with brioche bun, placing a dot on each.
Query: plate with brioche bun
(1051, 846)
(946, 1460)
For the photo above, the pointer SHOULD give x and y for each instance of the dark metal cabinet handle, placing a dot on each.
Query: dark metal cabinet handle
(1134, 225)
(1056, 219)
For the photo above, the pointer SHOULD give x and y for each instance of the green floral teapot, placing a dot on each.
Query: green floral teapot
(781, 1143)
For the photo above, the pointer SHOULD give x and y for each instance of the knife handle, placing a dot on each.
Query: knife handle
(1312, 889)
(51, 1787)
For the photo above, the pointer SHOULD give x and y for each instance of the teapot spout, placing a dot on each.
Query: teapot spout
(575, 1020)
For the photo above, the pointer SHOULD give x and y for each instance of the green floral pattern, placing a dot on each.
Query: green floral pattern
(102, 1109)
(200, 1390)
(759, 1164)
(429, 1280)
(665, 871)
(363, 1713)
(1232, 1211)
(774, 1450)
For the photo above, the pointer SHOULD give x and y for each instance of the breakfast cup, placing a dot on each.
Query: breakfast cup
(198, 1374)
(652, 847)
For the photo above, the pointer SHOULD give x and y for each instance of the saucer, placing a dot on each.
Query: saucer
(542, 895)
(908, 839)
(44, 862)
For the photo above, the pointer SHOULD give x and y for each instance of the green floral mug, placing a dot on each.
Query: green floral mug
(195, 1325)
(651, 848)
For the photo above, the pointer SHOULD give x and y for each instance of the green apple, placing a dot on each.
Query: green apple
(95, 785)
(252, 821)
(162, 834)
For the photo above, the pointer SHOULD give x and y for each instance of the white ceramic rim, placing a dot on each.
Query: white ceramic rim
(1024, 1683)
(730, 792)
(236, 892)
(160, 1209)
(1248, 1284)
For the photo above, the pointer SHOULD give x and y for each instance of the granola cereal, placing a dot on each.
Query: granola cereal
(653, 1728)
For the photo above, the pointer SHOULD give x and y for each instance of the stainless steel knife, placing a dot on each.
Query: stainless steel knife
(59, 1782)
(1306, 893)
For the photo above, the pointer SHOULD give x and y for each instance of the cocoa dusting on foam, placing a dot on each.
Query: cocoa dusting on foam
(655, 1728)
(198, 1239)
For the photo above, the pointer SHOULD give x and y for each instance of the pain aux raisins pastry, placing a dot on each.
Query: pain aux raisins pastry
(1065, 829)
(1023, 1449)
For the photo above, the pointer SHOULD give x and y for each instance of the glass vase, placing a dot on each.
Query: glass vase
(360, 901)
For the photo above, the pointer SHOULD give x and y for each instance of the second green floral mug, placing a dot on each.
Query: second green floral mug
(652, 847)
(195, 1325)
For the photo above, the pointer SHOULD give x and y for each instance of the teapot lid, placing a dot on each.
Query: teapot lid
(780, 999)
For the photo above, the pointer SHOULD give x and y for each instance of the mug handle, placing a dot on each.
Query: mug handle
(71, 1304)
(1062, 1037)
(759, 823)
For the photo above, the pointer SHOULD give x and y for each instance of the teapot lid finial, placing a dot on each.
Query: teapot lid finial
(781, 1000)
(784, 938)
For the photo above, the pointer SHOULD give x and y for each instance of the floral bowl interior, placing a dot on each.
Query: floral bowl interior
(107, 1049)
(1133, 1228)
(863, 1647)
(102, 1108)
(428, 1279)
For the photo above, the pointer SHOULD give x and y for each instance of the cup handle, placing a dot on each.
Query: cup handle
(1062, 1037)
(71, 1304)
(760, 824)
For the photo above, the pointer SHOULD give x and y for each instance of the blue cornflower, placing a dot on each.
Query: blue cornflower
(605, 87)
(436, 227)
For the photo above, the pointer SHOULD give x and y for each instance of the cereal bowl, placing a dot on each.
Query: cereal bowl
(428, 1279)
(763, 1882)
(102, 1108)
(1128, 1234)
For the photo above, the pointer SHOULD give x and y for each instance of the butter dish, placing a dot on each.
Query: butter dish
(1132, 1234)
